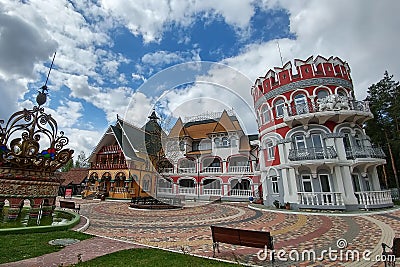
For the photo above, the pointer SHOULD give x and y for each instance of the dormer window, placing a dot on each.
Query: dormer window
(225, 142)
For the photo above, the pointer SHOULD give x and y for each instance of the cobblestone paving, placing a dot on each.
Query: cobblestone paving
(188, 230)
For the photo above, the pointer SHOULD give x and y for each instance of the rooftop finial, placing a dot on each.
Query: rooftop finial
(42, 96)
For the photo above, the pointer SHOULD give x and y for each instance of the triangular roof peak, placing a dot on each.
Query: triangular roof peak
(224, 124)
(299, 62)
(178, 130)
(287, 66)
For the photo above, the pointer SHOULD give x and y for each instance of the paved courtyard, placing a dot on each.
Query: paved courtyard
(188, 230)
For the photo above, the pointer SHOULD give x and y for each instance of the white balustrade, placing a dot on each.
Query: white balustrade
(119, 190)
(164, 190)
(187, 170)
(374, 198)
(187, 190)
(320, 198)
(241, 193)
(212, 169)
(214, 192)
(239, 169)
(167, 170)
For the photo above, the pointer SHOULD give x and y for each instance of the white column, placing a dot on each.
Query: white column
(345, 185)
(374, 179)
(289, 185)
(340, 148)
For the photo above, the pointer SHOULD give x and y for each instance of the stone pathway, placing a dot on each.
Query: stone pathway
(188, 230)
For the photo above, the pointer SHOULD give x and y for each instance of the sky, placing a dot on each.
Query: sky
(181, 57)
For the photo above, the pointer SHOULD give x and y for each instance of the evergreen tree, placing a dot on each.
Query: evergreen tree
(69, 165)
(81, 161)
(384, 129)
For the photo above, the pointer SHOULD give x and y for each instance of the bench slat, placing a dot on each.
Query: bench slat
(248, 238)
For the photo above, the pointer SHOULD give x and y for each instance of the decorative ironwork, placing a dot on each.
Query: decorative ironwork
(22, 152)
(365, 152)
(312, 153)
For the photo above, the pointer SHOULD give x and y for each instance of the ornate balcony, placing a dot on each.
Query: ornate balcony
(374, 199)
(334, 108)
(186, 170)
(312, 153)
(365, 152)
(213, 192)
(212, 170)
(241, 193)
(239, 169)
(320, 200)
(108, 166)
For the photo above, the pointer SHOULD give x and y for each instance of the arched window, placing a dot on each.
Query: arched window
(265, 114)
(300, 101)
(275, 187)
(279, 105)
(225, 142)
(322, 94)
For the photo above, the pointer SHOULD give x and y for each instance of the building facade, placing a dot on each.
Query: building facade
(121, 164)
(314, 152)
(209, 157)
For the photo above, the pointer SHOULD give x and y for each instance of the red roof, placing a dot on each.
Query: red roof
(74, 176)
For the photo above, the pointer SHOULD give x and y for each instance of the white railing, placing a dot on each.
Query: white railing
(239, 169)
(320, 198)
(167, 170)
(212, 169)
(119, 190)
(374, 198)
(164, 190)
(187, 190)
(187, 170)
(241, 193)
(214, 192)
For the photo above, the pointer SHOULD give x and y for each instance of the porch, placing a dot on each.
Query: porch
(321, 200)
(374, 199)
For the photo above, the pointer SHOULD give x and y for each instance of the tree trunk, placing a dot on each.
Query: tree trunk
(393, 163)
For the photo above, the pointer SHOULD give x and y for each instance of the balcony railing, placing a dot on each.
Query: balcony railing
(213, 192)
(365, 152)
(110, 149)
(187, 190)
(374, 199)
(211, 169)
(239, 169)
(108, 166)
(167, 170)
(186, 170)
(320, 199)
(241, 193)
(330, 103)
(119, 189)
(312, 153)
(163, 190)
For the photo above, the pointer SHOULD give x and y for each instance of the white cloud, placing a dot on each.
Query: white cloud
(162, 58)
(149, 18)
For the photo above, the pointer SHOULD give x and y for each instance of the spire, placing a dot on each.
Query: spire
(153, 116)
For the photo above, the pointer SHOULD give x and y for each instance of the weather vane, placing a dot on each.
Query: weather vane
(42, 96)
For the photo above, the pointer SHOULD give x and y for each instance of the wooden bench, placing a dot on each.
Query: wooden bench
(70, 205)
(390, 256)
(247, 238)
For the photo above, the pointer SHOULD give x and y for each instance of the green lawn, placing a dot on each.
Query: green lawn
(22, 246)
(148, 258)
